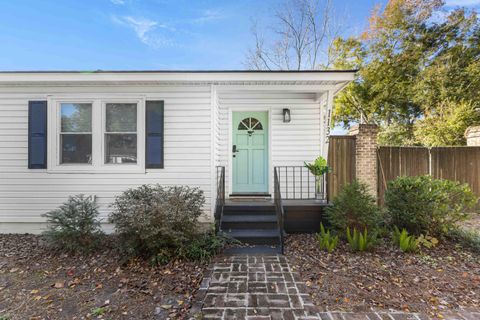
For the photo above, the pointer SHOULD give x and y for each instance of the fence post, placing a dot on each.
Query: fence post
(366, 155)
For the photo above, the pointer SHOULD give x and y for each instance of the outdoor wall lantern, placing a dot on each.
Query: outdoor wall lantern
(286, 115)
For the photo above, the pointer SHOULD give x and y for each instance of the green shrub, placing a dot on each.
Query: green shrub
(354, 207)
(426, 205)
(74, 226)
(325, 240)
(157, 222)
(406, 243)
(359, 241)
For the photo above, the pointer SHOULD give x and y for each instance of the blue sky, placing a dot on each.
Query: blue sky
(143, 34)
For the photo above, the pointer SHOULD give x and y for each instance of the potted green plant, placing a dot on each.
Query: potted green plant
(318, 168)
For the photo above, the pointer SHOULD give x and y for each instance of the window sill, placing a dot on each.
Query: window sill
(98, 170)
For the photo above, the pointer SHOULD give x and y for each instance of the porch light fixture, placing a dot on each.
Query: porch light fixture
(286, 115)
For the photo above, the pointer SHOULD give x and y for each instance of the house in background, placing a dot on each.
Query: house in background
(99, 133)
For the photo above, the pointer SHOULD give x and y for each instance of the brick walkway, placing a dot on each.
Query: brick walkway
(265, 287)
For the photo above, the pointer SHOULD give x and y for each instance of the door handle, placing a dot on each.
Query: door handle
(234, 150)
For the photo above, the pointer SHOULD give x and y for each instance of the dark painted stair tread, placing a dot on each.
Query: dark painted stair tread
(248, 208)
(253, 250)
(253, 233)
(248, 213)
(250, 218)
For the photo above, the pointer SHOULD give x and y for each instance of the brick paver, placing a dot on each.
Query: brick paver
(265, 287)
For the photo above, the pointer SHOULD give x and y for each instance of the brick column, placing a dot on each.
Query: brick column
(472, 134)
(366, 154)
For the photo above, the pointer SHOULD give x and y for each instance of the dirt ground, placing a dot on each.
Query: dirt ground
(433, 281)
(36, 284)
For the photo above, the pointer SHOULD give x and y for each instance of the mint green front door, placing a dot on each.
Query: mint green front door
(250, 152)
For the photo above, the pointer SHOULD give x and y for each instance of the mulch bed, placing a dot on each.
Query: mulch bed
(37, 284)
(431, 282)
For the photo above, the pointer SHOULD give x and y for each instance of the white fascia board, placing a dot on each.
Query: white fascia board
(214, 77)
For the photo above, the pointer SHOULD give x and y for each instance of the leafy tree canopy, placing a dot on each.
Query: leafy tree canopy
(419, 73)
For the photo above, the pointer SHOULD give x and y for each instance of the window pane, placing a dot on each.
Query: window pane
(121, 117)
(121, 148)
(76, 117)
(76, 148)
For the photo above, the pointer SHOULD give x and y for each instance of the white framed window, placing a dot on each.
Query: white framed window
(104, 134)
(120, 133)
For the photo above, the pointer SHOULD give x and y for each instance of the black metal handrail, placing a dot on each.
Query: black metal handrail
(220, 200)
(277, 196)
(298, 183)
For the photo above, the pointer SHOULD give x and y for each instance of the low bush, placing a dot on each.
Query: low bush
(74, 226)
(325, 240)
(406, 242)
(359, 241)
(423, 205)
(354, 207)
(161, 223)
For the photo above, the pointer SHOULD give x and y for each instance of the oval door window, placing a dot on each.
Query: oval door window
(250, 124)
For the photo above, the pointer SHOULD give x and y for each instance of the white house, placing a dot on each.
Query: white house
(99, 133)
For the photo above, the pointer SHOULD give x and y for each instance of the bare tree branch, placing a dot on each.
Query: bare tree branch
(303, 31)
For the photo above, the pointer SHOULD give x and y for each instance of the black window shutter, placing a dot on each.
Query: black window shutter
(37, 134)
(154, 134)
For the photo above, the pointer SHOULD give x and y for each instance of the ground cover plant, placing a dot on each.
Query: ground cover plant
(406, 242)
(326, 241)
(360, 241)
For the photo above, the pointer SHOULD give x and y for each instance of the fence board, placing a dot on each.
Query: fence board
(341, 158)
(400, 161)
(460, 164)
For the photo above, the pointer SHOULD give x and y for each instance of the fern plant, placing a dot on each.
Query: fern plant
(359, 241)
(325, 240)
(406, 243)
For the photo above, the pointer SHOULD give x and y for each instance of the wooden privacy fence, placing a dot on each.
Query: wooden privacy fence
(460, 164)
(341, 158)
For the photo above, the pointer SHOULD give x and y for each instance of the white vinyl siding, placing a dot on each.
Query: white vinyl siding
(26, 194)
(196, 135)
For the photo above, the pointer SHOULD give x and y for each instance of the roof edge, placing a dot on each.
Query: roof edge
(12, 77)
(180, 71)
